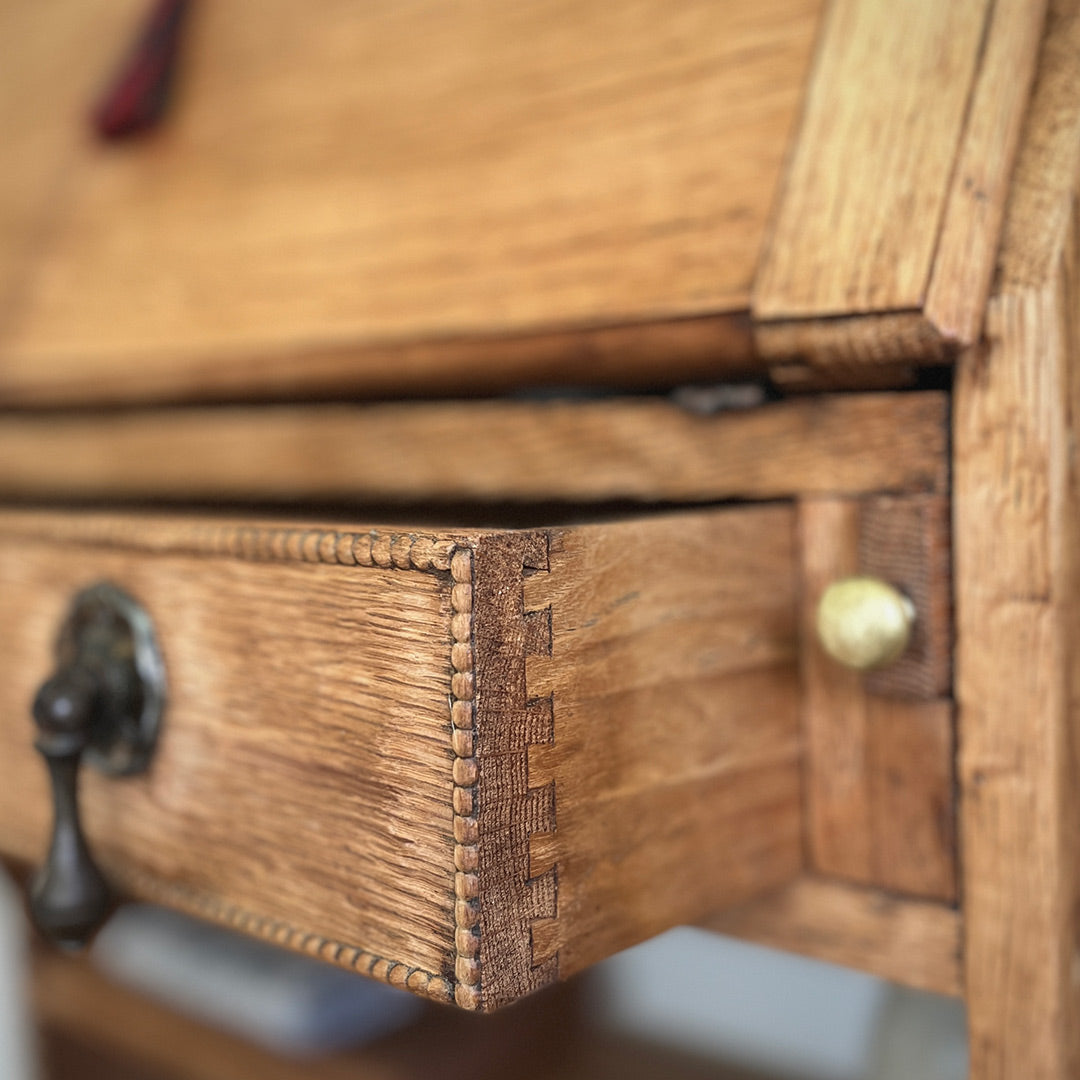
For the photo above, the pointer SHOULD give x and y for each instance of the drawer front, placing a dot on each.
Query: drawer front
(468, 763)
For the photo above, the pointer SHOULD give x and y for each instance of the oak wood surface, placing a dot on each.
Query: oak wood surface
(50, 78)
(862, 199)
(879, 749)
(612, 635)
(716, 626)
(642, 449)
(434, 759)
(967, 246)
(888, 221)
(906, 539)
(300, 777)
(1016, 504)
(914, 942)
(413, 173)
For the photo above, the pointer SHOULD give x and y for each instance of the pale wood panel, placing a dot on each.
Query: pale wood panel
(838, 818)
(640, 670)
(1017, 505)
(862, 200)
(580, 450)
(50, 80)
(914, 942)
(910, 762)
(967, 247)
(879, 747)
(299, 778)
(888, 223)
(390, 172)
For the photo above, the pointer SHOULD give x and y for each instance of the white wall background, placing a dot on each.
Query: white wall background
(15, 1047)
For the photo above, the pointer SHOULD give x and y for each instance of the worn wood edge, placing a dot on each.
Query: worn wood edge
(543, 872)
(257, 541)
(643, 449)
(876, 350)
(855, 227)
(1014, 420)
(964, 259)
(717, 345)
(1038, 212)
(351, 957)
(916, 943)
(831, 351)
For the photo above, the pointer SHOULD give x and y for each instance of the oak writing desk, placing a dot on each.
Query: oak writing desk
(572, 692)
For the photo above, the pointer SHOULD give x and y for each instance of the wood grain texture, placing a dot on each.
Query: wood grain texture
(859, 211)
(625, 355)
(483, 450)
(414, 172)
(967, 246)
(913, 942)
(716, 626)
(867, 351)
(684, 622)
(879, 750)
(368, 785)
(888, 223)
(906, 540)
(833, 702)
(302, 792)
(1017, 504)
(50, 79)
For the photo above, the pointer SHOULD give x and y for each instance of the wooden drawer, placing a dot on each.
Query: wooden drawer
(468, 762)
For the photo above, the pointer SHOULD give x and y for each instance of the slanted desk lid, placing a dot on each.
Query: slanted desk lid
(431, 198)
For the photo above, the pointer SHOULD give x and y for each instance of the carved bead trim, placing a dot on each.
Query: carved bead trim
(257, 542)
(466, 772)
(352, 957)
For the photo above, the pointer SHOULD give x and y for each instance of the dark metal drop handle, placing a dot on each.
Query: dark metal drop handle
(70, 897)
(103, 704)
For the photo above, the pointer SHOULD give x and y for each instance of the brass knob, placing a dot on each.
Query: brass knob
(864, 622)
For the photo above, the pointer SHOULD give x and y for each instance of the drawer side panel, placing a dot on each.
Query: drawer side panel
(637, 734)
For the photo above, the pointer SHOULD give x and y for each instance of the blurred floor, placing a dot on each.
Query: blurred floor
(687, 1006)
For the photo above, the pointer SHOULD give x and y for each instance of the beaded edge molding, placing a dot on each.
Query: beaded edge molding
(402, 551)
(467, 971)
(352, 957)
(262, 542)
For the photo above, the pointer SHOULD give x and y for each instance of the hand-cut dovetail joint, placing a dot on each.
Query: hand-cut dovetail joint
(543, 871)
(467, 970)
